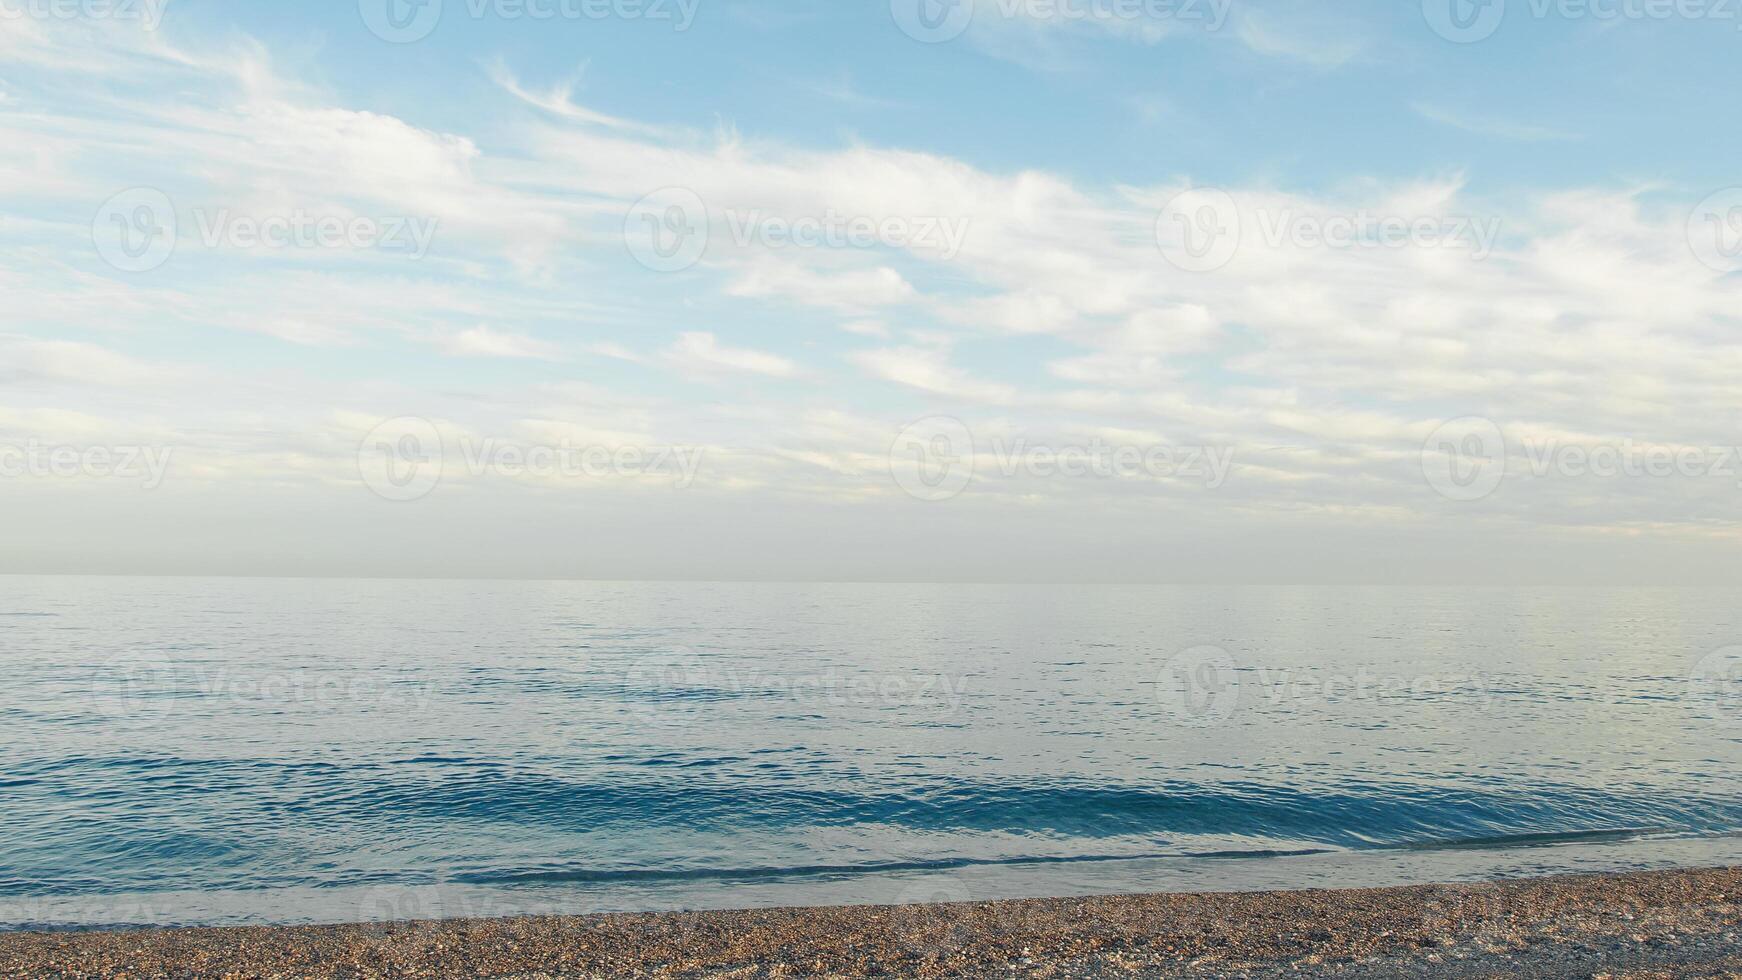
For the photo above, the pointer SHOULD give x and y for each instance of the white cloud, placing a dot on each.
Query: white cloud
(699, 352)
(1483, 125)
(1059, 313)
(866, 328)
(482, 341)
(1307, 34)
(929, 370)
(853, 289)
(73, 362)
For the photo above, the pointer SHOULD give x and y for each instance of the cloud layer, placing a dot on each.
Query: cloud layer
(588, 280)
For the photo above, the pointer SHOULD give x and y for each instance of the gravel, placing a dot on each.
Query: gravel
(1637, 925)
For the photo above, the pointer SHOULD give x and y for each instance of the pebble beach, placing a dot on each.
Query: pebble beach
(1646, 924)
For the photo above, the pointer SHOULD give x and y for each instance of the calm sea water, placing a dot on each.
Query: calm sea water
(220, 751)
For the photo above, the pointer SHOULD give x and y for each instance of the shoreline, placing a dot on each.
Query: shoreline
(1660, 923)
(1632, 924)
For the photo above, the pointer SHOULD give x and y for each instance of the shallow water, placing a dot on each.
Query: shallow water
(182, 750)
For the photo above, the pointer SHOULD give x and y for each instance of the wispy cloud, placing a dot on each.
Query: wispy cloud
(1491, 126)
(483, 341)
(1060, 310)
(700, 353)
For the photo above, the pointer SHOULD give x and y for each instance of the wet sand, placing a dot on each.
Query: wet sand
(1648, 924)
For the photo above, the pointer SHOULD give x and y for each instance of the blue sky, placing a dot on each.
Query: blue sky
(1025, 284)
(1344, 83)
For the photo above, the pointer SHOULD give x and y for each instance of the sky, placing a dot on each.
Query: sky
(894, 290)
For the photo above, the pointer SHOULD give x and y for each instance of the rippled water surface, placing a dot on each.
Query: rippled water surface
(181, 750)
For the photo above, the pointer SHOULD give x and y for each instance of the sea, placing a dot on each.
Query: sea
(181, 751)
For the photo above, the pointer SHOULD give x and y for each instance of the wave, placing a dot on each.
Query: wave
(167, 822)
(580, 875)
(1345, 814)
(628, 875)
